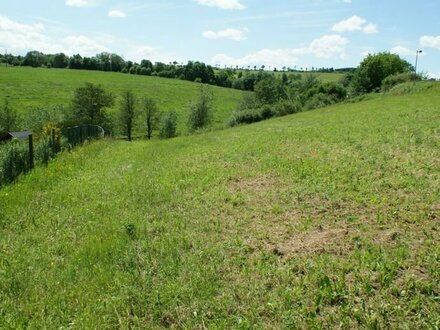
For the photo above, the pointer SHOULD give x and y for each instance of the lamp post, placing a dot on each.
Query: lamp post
(417, 58)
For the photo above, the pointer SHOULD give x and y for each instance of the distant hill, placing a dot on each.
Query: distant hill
(40, 87)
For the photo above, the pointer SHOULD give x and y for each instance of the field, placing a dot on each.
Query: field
(27, 88)
(324, 219)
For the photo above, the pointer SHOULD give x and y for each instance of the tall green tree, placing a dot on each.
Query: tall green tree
(200, 113)
(8, 117)
(127, 113)
(374, 69)
(89, 105)
(151, 115)
(269, 90)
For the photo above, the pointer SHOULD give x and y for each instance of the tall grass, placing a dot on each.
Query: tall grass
(327, 219)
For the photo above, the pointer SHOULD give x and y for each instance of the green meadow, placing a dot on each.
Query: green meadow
(29, 88)
(318, 220)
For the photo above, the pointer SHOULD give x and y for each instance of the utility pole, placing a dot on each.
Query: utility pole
(417, 58)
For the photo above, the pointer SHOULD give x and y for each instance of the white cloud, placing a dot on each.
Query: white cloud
(222, 4)
(434, 75)
(79, 3)
(137, 52)
(370, 28)
(327, 46)
(117, 14)
(233, 34)
(355, 23)
(20, 38)
(83, 45)
(430, 41)
(403, 51)
(16, 37)
(267, 57)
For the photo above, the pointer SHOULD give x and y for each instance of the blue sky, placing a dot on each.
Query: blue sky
(276, 33)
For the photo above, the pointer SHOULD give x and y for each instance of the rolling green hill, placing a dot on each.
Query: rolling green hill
(38, 87)
(324, 219)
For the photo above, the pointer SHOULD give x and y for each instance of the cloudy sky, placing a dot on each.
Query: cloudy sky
(276, 33)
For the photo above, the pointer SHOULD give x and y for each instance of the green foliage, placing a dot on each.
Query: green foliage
(169, 125)
(275, 97)
(150, 116)
(127, 114)
(89, 105)
(201, 112)
(15, 157)
(286, 107)
(38, 117)
(395, 79)
(269, 90)
(411, 88)
(374, 69)
(14, 160)
(8, 117)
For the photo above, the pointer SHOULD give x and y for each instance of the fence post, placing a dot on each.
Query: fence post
(54, 143)
(31, 152)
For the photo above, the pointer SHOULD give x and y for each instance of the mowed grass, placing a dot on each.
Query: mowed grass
(325, 219)
(27, 88)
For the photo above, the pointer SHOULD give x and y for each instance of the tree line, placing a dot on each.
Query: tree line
(243, 78)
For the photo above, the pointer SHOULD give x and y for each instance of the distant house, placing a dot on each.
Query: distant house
(14, 135)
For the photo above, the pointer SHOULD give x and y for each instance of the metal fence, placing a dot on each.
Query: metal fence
(78, 134)
(17, 157)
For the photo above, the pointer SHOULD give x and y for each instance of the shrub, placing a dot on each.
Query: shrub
(393, 80)
(319, 100)
(8, 117)
(37, 118)
(248, 116)
(374, 69)
(200, 113)
(14, 161)
(285, 107)
(169, 126)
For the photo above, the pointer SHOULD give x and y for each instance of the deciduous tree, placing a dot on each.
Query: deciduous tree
(150, 115)
(127, 113)
(89, 105)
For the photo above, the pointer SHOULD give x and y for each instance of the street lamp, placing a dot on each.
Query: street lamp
(417, 58)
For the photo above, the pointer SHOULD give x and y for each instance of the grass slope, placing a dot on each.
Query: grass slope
(38, 87)
(325, 219)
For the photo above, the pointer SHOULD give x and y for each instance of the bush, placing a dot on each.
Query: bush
(393, 80)
(14, 161)
(248, 116)
(169, 126)
(8, 117)
(37, 118)
(285, 107)
(200, 113)
(319, 100)
(410, 87)
(374, 69)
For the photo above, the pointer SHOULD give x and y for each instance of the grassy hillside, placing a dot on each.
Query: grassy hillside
(325, 219)
(38, 87)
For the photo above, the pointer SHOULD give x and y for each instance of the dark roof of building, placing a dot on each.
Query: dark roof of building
(15, 135)
(20, 135)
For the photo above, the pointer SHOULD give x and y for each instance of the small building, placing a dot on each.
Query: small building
(23, 135)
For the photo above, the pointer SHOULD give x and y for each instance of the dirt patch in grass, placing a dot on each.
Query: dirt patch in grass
(258, 184)
(321, 240)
